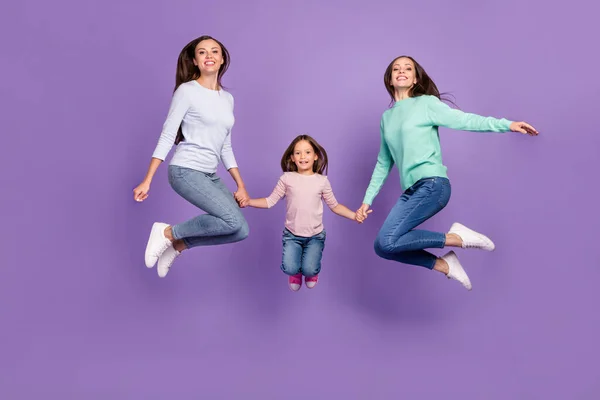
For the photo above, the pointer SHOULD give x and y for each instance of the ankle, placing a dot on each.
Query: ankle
(179, 245)
(453, 240)
(169, 233)
(441, 266)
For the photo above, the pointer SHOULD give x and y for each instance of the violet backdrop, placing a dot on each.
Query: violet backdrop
(85, 87)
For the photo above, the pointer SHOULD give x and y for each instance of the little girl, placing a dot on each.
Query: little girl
(304, 185)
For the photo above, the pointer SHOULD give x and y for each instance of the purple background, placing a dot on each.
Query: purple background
(85, 87)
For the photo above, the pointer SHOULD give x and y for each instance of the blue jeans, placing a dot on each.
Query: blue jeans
(223, 222)
(302, 254)
(397, 240)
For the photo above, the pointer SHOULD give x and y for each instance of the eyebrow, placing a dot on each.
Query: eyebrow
(213, 48)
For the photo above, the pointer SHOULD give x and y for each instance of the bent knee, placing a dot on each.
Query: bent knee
(309, 273)
(290, 268)
(243, 231)
(382, 248)
(239, 228)
(235, 222)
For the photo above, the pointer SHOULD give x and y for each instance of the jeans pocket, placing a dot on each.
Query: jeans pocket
(176, 172)
(445, 191)
(286, 235)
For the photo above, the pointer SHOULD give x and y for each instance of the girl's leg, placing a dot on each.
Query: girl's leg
(291, 260)
(311, 259)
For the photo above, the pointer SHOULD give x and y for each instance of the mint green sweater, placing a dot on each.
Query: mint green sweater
(410, 139)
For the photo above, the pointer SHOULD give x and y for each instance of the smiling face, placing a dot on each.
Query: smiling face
(403, 74)
(208, 57)
(304, 156)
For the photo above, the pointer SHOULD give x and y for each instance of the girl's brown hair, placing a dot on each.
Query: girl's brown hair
(320, 166)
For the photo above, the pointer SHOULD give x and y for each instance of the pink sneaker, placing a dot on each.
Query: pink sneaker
(295, 282)
(311, 281)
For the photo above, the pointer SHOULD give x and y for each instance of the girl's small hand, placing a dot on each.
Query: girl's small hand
(140, 193)
(523, 127)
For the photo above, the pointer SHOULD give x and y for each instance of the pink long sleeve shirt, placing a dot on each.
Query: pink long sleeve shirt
(304, 206)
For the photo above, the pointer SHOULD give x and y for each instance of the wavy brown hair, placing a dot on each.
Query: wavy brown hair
(320, 166)
(424, 86)
(187, 71)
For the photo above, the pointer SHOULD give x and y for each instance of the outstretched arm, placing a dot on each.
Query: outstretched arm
(441, 114)
(258, 203)
(336, 207)
(344, 211)
(268, 202)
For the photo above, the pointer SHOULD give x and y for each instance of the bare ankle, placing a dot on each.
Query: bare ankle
(453, 240)
(179, 245)
(169, 233)
(441, 266)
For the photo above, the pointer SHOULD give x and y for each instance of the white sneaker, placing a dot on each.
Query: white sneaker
(157, 243)
(165, 261)
(472, 239)
(455, 270)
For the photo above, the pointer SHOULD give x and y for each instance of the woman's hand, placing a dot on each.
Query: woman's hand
(362, 213)
(140, 193)
(523, 127)
(241, 196)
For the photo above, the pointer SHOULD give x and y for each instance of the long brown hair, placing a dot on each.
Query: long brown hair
(187, 71)
(424, 86)
(320, 166)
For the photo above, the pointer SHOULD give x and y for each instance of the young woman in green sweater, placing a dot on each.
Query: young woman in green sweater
(410, 139)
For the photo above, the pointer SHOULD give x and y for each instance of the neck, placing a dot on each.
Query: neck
(401, 93)
(209, 81)
(306, 172)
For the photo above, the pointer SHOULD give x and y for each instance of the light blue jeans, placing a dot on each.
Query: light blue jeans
(398, 240)
(223, 222)
(302, 254)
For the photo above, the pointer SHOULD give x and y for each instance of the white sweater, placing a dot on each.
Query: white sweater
(206, 118)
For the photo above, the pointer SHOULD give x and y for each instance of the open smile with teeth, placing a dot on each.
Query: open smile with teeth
(209, 63)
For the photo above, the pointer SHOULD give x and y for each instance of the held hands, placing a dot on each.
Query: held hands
(523, 127)
(362, 213)
(140, 193)
(241, 196)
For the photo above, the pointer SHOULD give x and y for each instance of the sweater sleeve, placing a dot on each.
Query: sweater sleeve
(382, 170)
(227, 156)
(327, 194)
(177, 110)
(278, 193)
(440, 114)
